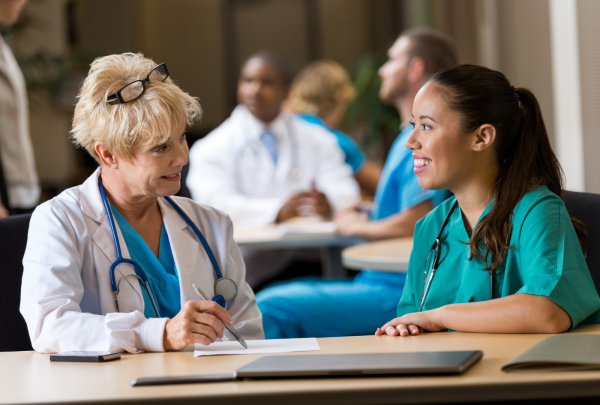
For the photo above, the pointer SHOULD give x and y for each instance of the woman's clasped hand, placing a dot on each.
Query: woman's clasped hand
(413, 324)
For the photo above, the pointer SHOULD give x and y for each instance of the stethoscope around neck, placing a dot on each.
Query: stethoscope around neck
(436, 248)
(225, 288)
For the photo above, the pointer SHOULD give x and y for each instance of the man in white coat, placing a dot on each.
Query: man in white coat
(17, 162)
(263, 165)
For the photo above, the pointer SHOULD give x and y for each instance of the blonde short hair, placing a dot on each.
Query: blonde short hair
(151, 118)
(320, 87)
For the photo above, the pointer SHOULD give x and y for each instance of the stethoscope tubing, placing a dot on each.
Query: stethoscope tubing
(201, 237)
(139, 272)
(436, 247)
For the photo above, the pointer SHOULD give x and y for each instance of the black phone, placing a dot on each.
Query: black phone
(85, 357)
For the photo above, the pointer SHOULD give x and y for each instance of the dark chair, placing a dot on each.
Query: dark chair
(13, 239)
(184, 191)
(586, 208)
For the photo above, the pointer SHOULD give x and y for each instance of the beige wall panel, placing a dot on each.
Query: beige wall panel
(525, 50)
(457, 18)
(106, 27)
(589, 52)
(49, 126)
(54, 153)
(187, 35)
(454, 17)
(46, 31)
(274, 25)
(345, 29)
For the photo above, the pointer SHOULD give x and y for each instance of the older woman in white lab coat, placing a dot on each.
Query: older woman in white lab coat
(131, 117)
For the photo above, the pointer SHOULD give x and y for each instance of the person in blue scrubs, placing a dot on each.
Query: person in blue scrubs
(353, 155)
(319, 308)
(320, 94)
(509, 257)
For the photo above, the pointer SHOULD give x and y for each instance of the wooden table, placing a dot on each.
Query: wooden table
(28, 377)
(321, 235)
(385, 255)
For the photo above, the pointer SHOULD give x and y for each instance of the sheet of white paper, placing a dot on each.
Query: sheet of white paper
(319, 228)
(258, 347)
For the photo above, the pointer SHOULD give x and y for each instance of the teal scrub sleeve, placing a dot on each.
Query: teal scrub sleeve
(354, 157)
(552, 262)
(411, 299)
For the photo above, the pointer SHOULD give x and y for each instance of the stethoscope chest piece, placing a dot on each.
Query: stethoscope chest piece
(297, 173)
(226, 287)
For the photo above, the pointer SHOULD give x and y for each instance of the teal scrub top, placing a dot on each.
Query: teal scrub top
(161, 271)
(546, 259)
(353, 156)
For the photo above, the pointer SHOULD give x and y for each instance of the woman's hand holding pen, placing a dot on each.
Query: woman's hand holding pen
(196, 323)
(413, 324)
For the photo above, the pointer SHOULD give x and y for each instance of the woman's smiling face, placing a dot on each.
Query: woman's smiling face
(155, 170)
(442, 154)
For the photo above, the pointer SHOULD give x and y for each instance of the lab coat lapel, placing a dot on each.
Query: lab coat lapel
(184, 245)
(130, 291)
(90, 202)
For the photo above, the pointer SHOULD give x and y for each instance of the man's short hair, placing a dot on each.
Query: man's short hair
(435, 48)
(285, 69)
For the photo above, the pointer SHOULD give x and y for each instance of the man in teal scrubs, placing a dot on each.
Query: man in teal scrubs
(546, 259)
(358, 307)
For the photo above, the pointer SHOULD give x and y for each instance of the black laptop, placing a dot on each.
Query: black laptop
(335, 365)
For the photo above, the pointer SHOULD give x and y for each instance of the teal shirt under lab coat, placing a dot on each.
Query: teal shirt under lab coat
(546, 259)
(161, 271)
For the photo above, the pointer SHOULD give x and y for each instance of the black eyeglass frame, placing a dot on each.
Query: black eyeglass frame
(116, 98)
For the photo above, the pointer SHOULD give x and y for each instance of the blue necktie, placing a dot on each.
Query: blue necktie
(270, 142)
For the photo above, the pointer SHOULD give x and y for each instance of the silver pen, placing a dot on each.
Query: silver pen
(227, 326)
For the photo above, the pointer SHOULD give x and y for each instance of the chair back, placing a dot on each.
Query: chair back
(184, 191)
(586, 208)
(13, 239)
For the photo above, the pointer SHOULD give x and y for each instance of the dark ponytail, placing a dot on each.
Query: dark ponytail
(483, 96)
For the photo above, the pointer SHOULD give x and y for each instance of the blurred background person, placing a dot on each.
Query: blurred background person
(19, 186)
(263, 165)
(354, 307)
(400, 202)
(320, 95)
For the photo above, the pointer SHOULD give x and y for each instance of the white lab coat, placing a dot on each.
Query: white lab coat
(66, 295)
(230, 169)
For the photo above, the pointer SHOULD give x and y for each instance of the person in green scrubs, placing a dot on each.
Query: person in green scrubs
(509, 257)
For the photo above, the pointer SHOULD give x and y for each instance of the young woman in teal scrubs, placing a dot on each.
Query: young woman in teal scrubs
(510, 257)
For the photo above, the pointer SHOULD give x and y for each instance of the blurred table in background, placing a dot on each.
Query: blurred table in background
(385, 255)
(300, 233)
